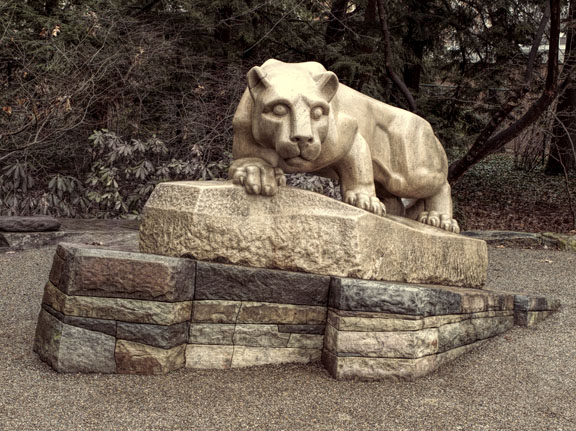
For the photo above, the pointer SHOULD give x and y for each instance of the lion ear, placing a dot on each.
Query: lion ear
(327, 82)
(257, 80)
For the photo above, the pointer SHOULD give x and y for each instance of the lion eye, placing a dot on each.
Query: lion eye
(317, 113)
(280, 110)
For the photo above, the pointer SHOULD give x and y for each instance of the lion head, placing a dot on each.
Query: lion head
(291, 109)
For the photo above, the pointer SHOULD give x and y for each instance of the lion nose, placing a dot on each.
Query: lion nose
(302, 140)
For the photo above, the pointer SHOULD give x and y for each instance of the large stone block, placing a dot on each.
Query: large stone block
(209, 357)
(237, 283)
(137, 358)
(162, 336)
(401, 344)
(412, 299)
(215, 311)
(212, 333)
(262, 312)
(368, 368)
(304, 231)
(469, 331)
(127, 310)
(92, 271)
(70, 349)
(253, 356)
(29, 224)
(260, 336)
(99, 325)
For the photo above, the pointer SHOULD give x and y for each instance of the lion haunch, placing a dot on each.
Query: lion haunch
(297, 117)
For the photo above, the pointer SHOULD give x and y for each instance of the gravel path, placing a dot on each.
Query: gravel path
(523, 380)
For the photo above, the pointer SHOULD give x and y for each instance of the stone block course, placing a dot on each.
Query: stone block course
(212, 333)
(128, 310)
(162, 336)
(237, 283)
(138, 358)
(215, 311)
(99, 325)
(85, 271)
(71, 349)
(398, 344)
(240, 317)
(261, 312)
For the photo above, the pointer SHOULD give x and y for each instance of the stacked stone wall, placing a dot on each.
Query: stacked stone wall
(112, 311)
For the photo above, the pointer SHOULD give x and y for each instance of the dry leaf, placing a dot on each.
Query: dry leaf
(7, 109)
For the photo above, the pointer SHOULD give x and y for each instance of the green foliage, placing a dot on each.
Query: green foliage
(160, 82)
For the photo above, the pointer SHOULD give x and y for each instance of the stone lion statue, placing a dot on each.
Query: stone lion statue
(297, 117)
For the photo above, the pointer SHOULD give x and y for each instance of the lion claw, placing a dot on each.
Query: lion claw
(442, 221)
(365, 202)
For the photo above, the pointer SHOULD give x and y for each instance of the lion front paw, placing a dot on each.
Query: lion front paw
(258, 178)
(366, 202)
(443, 221)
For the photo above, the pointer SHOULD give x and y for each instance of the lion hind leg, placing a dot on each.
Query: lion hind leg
(436, 210)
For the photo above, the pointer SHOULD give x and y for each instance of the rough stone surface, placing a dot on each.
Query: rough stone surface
(306, 341)
(365, 368)
(137, 358)
(100, 325)
(469, 331)
(377, 322)
(215, 311)
(407, 344)
(92, 271)
(304, 231)
(260, 336)
(302, 329)
(211, 333)
(252, 356)
(412, 299)
(236, 283)
(397, 298)
(209, 357)
(69, 349)
(261, 312)
(3, 241)
(28, 224)
(524, 302)
(128, 310)
(162, 336)
(531, 318)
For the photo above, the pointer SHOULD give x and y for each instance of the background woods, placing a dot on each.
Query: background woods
(101, 100)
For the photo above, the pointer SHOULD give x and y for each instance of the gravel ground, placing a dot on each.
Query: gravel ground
(523, 380)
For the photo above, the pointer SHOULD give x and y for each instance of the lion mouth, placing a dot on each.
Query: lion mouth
(298, 160)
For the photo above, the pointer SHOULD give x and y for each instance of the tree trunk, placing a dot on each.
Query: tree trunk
(335, 29)
(487, 143)
(562, 148)
(383, 15)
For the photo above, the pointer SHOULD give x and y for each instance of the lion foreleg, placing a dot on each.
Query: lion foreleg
(357, 177)
(256, 176)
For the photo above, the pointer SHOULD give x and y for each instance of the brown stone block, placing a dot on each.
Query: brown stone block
(127, 310)
(215, 311)
(254, 356)
(394, 369)
(260, 312)
(86, 271)
(209, 357)
(399, 344)
(136, 358)
(70, 349)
